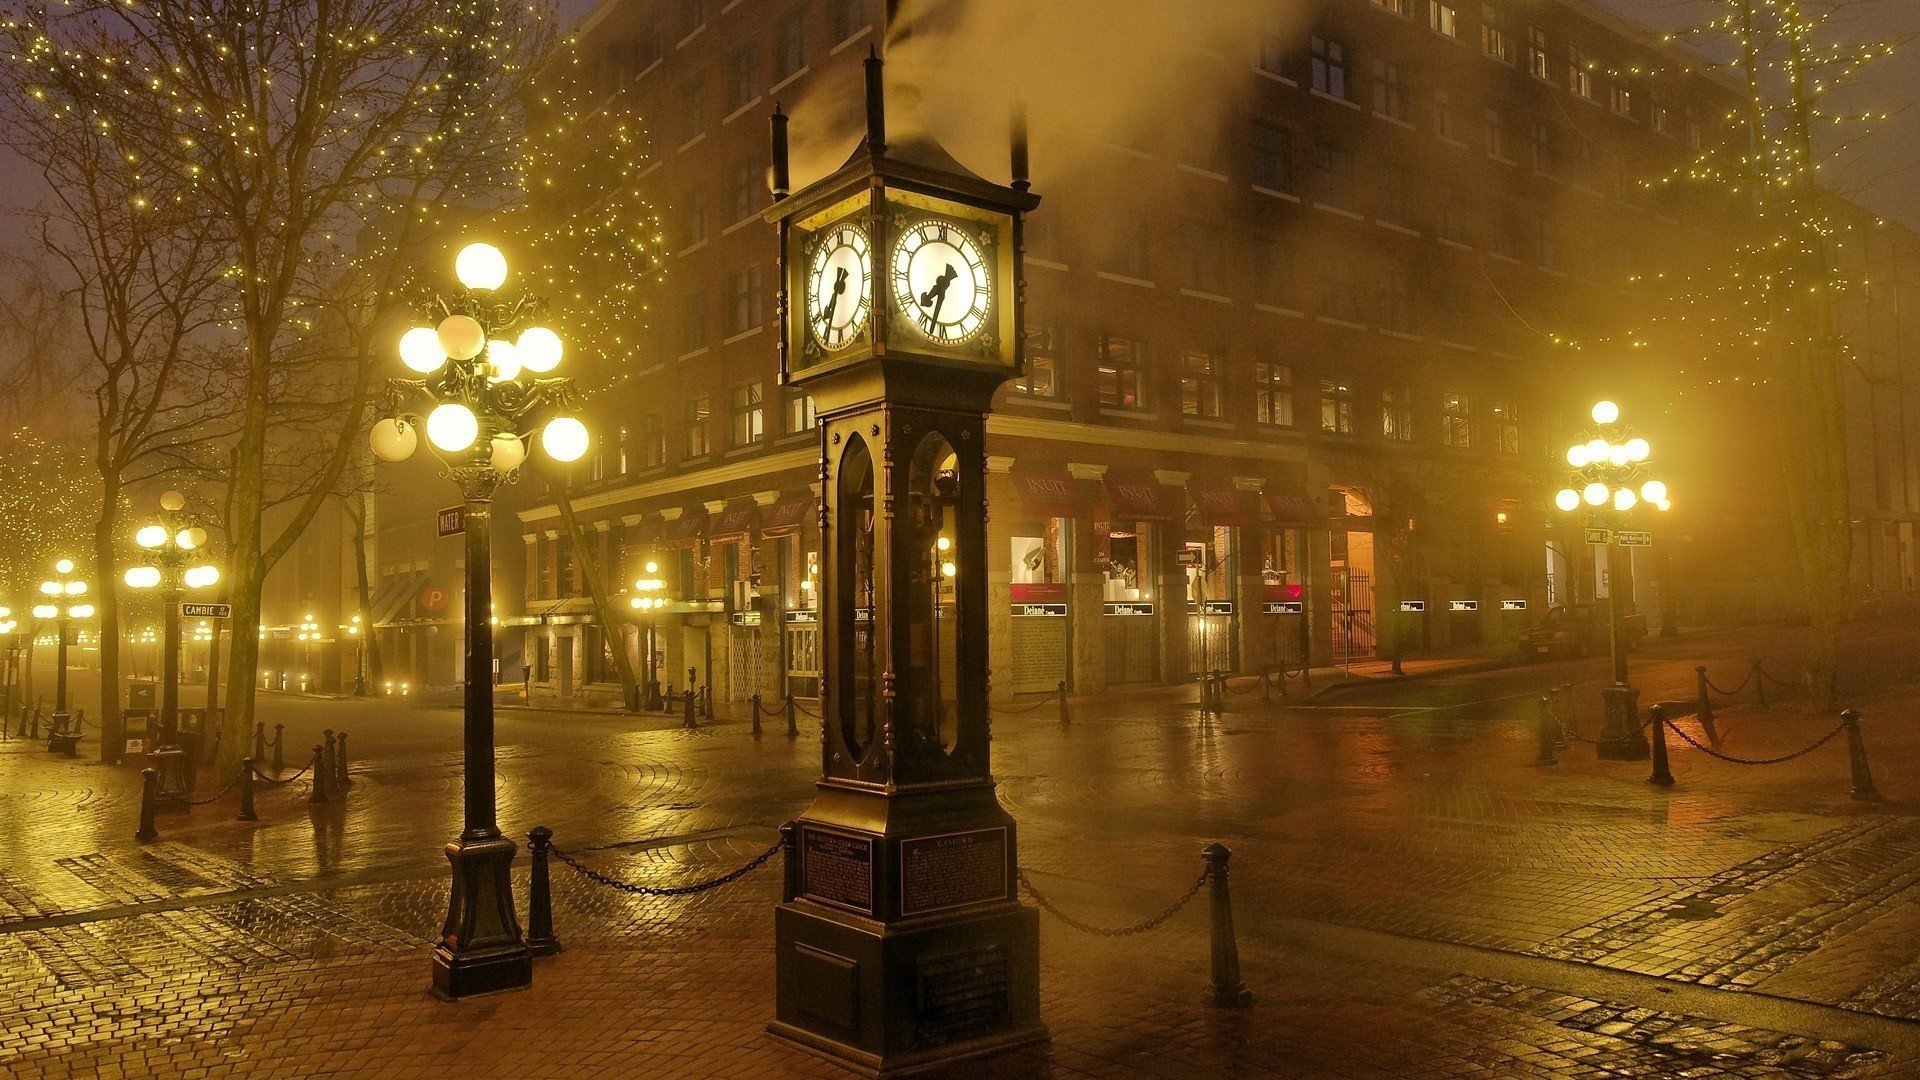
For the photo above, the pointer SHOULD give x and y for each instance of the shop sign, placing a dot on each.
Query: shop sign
(1630, 538)
(1039, 611)
(1463, 605)
(1284, 607)
(1038, 592)
(863, 614)
(1216, 607)
(1129, 607)
(1413, 605)
(1599, 536)
(803, 617)
(746, 618)
(1513, 605)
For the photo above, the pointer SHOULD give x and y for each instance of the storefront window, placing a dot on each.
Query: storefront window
(1127, 570)
(1037, 560)
(1208, 558)
(1281, 564)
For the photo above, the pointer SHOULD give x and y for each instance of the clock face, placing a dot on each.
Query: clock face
(941, 281)
(837, 294)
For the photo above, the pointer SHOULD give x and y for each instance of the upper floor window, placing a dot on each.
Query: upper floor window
(653, 441)
(1447, 219)
(748, 413)
(1126, 244)
(848, 17)
(699, 415)
(1579, 73)
(1493, 33)
(1122, 373)
(1273, 50)
(1330, 66)
(1540, 134)
(743, 77)
(1396, 302)
(1456, 421)
(622, 452)
(1506, 426)
(1496, 134)
(1336, 407)
(1389, 90)
(693, 319)
(1273, 394)
(1332, 175)
(1538, 64)
(1337, 294)
(1200, 253)
(746, 180)
(1403, 8)
(1622, 98)
(693, 15)
(745, 304)
(1443, 113)
(800, 414)
(1396, 414)
(1273, 157)
(790, 43)
(1443, 18)
(693, 217)
(692, 110)
(1042, 377)
(1200, 385)
(1393, 194)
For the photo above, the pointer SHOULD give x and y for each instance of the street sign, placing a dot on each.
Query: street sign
(206, 611)
(1216, 607)
(451, 521)
(1599, 536)
(1284, 607)
(1630, 538)
(1129, 607)
(1513, 605)
(1188, 557)
(1039, 611)
(1463, 605)
(1413, 605)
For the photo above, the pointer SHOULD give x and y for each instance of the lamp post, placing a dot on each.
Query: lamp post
(9, 663)
(480, 412)
(171, 544)
(359, 655)
(652, 598)
(309, 636)
(63, 605)
(1609, 481)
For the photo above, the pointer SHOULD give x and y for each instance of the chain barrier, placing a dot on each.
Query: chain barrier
(1567, 730)
(1725, 692)
(1141, 927)
(1690, 741)
(777, 710)
(1023, 710)
(665, 890)
(804, 711)
(1258, 680)
(216, 796)
(258, 775)
(1786, 684)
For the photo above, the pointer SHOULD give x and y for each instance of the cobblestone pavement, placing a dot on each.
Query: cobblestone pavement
(1416, 898)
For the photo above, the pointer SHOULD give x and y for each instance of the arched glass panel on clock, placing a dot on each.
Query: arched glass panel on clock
(932, 603)
(858, 674)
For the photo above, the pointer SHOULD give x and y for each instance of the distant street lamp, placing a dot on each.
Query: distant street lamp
(9, 662)
(652, 598)
(64, 603)
(1609, 481)
(172, 543)
(359, 655)
(479, 414)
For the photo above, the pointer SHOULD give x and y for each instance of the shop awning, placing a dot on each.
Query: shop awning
(1050, 492)
(394, 594)
(1291, 504)
(788, 515)
(1224, 505)
(732, 524)
(684, 533)
(1134, 499)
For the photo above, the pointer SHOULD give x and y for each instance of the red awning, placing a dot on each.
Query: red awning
(1290, 504)
(788, 515)
(685, 532)
(1050, 492)
(1224, 506)
(732, 524)
(1140, 500)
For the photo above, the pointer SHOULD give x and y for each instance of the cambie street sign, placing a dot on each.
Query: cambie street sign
(451, 521)
(206, 611)
(1630, 538)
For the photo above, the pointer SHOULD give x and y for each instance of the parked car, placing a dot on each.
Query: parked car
(1576, 630)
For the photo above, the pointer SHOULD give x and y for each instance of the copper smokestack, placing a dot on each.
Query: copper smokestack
(1021, 178)
(782, 173)
(876, 107)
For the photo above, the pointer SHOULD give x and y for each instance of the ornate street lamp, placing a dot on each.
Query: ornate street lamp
(172, 543)
(481, 406)
(9, 662)
(65, 602)
(359, 655)
(652, 598)
(1610, 480)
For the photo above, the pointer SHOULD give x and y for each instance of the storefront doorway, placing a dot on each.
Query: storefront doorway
(1212, 625)
(1039, 595)
(1352, 601)
(1128, 622)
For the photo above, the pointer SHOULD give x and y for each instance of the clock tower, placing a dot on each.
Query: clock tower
(901, 942)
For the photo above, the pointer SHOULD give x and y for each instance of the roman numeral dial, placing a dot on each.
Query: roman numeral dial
(941, 283)
(838, 298)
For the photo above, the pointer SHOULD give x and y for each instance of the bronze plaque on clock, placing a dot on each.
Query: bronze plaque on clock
(953, 870)
(837, 869)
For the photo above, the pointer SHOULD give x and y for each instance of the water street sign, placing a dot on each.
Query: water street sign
(1284, 607)
(1599, 536)
(451, 521)
(1413, 605)
(1634, 538)
(206, 611)
(1513, 605)
(1463, 605)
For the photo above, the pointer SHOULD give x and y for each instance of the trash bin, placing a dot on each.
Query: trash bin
(141, 695)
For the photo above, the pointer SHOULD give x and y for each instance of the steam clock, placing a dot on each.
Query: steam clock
(902, 942)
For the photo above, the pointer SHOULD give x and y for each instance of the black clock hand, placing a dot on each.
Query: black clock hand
(839, 286)
(936, 297)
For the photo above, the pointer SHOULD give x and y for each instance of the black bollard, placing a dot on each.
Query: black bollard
(1546, 726)
(326, 762)
(793, 725)
(1759, 686)
(246, 791)
(1704, 705)
(1065, 719)
(318, 768)
(540, 939)
(667, 699)
(147, 831)
(756, 714)
(1227, 991)
(340, 778)
(790, 864)
(36, 722)
(688, 720)
(279, 755)
(260, 741)
(1662, 775)
(1863, 788)
(1560, 724)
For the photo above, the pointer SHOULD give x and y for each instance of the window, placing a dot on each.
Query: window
(746, 181)
(1127, 245)
(1447, 219)
(1443, 114)
(1273, 157)
(693, 218)
(1538, 64)
(1200, 246)
(1337, 299)
(1332, 175)
(1456, 421)
(1039, 239)
(1493, 33)
(1121, 373)
(1273, 394)
(790, 43)
(693, 16)
(1658, 115)
(743, 78)
(1336, 407)
(748, 414)
(1496, 134)
(693, 110)
(1622, 98)
(849, 18)
(1506, 426)
(693, 319)
(1396, 302)
(653, 441)
(1274, 278)
(1403, 8)
(744, 300)
(1540, 134)
(1443, 18)
(699, 439)
(1330, 67)
(1393, 194)
(1389, 90)
(800, 414)
(1546, 244)
(1396, 414)
(1042, 378)
(1200, 385)
(622, 452)
(1505, 236)
(597, 467)
(649, 45)
(1272, 51)
(1579, 74)
(563, 566)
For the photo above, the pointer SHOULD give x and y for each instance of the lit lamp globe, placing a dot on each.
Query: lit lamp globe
(1638, 449)
(1596, 494)
(1605, 412)
(452, 427)
(503, 361)
(188, 539)
(152, 536)
(461, 336)
(508, 452)
(1624, 499)
(172, 501)
(394, 440)
(564, 439)
(81, 611)
(539, 349)
(1568, 499)
(1654, 491)
(420, 350)
(199, 577)
(480, 267)
(64, 566)
(1577, 456)
(45, 611)
(79, 588)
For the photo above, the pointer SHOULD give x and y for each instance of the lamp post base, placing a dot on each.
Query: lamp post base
(481, 949)
(1621, 738)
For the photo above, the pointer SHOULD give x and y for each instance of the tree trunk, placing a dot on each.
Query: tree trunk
(602, 606)
(245, 567)
(107, 600)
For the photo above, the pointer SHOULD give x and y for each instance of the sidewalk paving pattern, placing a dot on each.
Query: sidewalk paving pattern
(1415, 899)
